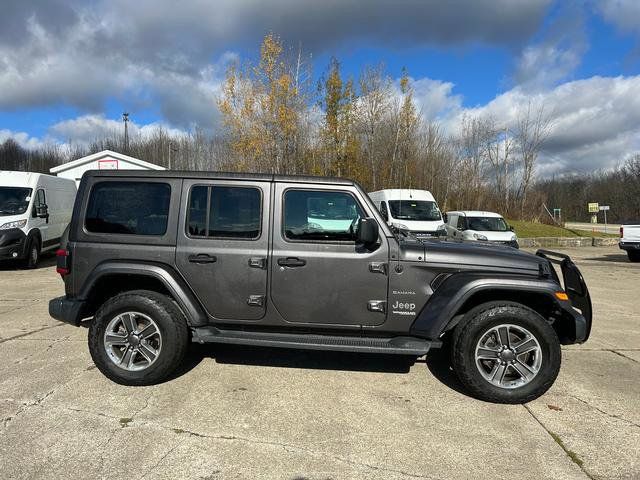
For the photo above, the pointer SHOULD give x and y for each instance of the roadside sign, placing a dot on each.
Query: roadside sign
(593, 207)
(604, 208)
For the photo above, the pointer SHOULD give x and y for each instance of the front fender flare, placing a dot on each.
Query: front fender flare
(165, 274)
(447, 300)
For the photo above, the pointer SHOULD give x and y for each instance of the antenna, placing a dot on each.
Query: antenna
(125, 119)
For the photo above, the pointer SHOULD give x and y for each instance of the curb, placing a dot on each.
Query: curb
(568, 242)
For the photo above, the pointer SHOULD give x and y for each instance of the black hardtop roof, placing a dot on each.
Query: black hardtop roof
(261, 177)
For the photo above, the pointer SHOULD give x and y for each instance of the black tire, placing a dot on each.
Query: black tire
(33, 254)
(476, 323)
(170, 321)
(634, 255)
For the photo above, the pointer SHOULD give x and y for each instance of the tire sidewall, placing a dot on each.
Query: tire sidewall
(29, 262)
(520, 316)
(161, 314)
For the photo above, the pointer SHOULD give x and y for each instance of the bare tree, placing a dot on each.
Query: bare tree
(375, 92)
(532, 130)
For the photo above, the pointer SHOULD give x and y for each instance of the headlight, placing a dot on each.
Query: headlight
(514, 238)
(16, 224)
(477, 236)
(400, 226)
(441, 230)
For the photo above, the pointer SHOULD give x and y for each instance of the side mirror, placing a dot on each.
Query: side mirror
(42, 211)
(511, 228)
(367, 231)
(445, 218)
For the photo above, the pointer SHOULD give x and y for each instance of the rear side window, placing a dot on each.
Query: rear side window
(129, 208)
(224, 212)
(462, 224)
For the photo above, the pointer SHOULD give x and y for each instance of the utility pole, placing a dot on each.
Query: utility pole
(172, 148)
(125, 119)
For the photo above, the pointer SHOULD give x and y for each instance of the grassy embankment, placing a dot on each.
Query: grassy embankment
(531, 230)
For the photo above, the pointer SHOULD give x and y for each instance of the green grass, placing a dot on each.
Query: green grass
(534, 229)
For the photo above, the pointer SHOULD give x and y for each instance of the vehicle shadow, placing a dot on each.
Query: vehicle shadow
(437, 361)
(292, 358)
(613, 257)
(46, 261)
(439, 364)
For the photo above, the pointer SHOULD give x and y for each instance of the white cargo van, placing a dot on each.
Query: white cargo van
(475, 226)
(35, 209)
(413, 210)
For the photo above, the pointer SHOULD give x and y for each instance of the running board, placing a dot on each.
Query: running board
(394, 345)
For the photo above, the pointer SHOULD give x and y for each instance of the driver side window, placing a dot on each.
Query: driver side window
(320, 215)
(38, 201)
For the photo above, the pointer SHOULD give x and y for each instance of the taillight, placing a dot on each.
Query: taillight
(63, 266)
(621, 232)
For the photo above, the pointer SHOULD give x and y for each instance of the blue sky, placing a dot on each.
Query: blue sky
(68, 69)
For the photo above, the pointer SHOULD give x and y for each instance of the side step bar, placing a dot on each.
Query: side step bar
(394, 345)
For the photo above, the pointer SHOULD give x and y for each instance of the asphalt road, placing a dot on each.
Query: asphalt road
(597, 227)
(261, 413)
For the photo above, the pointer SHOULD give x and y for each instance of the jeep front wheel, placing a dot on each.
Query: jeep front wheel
(138, 338)
(505, 352)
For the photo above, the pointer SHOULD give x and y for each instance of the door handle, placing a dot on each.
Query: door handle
(203, 258)
(292, 262)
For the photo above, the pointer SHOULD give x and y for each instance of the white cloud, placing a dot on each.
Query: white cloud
(22, 138)
(88, 128)
(625, 14)
(594, 122)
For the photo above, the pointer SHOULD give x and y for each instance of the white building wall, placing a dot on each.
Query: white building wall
(106, 160)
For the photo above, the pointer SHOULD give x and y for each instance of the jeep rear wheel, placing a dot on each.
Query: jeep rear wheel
(505, 352)
(138, 338)
(634, 255)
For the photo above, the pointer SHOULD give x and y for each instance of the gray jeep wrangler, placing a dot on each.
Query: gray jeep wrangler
(155, 260)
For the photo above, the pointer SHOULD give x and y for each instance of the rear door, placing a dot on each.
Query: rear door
(320, 276)
(222, 245)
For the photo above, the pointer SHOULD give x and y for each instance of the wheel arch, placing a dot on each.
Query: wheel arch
(462, 292)
(111, 278)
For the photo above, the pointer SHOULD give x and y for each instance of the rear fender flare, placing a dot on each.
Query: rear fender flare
(178, 288)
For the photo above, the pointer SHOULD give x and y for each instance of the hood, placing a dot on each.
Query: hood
(417, 226)
(471, 256)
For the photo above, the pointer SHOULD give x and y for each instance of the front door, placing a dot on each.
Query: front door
(42, 224)
(222, 246)
(320, 274)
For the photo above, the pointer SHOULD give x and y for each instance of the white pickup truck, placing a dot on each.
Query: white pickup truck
(630, 241)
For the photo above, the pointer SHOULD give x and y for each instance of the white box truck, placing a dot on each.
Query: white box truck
(413, 210)
(35, 209)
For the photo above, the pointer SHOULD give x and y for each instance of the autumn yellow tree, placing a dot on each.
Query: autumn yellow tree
(340, 142)
(263, 110)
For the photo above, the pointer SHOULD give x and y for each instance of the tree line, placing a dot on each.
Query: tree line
(276, 118)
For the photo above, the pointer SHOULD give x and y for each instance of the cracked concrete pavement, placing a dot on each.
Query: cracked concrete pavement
(235, 412)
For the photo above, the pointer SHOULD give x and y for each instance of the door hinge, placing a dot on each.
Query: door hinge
(258, 262)
(378, 267)
(255, 300)
(377, 305)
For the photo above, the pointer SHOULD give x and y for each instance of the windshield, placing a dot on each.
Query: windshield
(14, 200)
(418, 210)
(487, 224)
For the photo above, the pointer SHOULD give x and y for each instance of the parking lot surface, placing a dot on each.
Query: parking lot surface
(239, 412)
